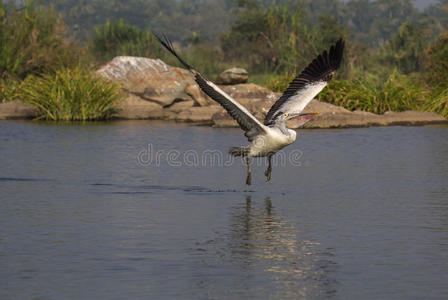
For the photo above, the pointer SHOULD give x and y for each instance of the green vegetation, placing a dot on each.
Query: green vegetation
(404, 49)
(396, 56)
(369, 93)
(277, 39)
(121, 38)
(436, 62)
(439, 103)
(71, 95)
(9, 89)
(33, 40)
(34, 48)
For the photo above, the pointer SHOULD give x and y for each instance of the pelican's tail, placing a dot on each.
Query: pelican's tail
(239, 151)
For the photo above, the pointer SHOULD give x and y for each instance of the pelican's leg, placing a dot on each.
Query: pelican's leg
(268, 171)
(249, 172)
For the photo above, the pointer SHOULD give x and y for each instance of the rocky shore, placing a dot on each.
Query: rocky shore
(155, 90)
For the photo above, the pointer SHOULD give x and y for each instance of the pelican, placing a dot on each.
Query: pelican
(272, 135)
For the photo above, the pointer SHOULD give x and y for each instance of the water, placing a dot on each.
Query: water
(86, 214)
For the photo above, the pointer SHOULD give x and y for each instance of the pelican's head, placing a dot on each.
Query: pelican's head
(286, 116)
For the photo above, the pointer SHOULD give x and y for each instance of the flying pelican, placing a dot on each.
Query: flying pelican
(272, 135)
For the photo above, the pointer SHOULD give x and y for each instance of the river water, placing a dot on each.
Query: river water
(146, 210)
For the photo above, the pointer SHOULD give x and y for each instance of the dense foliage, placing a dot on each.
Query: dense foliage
(396, 56)
(119, 37)
(33, 40)
(371, 22)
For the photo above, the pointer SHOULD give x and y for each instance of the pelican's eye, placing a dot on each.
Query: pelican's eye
(285, 115)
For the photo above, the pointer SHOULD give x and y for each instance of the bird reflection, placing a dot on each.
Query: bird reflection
(270, 249)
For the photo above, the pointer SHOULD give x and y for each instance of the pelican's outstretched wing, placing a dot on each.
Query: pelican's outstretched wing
(245, 119)
(308, 84)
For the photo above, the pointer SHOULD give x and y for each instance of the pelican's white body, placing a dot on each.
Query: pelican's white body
(272, 141)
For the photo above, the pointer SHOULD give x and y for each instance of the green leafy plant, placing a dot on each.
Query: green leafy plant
(439, 103)
(9, 89)
(369, 93)
(71, 95)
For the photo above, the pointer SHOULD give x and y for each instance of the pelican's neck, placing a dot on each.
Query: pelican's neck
(282, 126)
(289, 133)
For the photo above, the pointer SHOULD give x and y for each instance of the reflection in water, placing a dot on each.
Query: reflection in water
(270, 257)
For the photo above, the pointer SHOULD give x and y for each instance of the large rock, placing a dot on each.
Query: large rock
(233, 76)
(17, 109)
(255, 98)
(152, 80)
(198, 114)
(364, 119)
(133, 107)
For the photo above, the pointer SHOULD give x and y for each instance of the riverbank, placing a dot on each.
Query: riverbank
(156, 91)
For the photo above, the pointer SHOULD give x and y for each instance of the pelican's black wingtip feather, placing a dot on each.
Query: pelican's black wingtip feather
(336, 53)
(165, 41)
(321, 69)
(323, 66)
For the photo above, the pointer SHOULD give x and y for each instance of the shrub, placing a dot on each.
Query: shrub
(369, 93)
(280, 83)
(439, 103)
(71, 95)
(33, 40)
(121, 38)
(436, 62)
(9, 89)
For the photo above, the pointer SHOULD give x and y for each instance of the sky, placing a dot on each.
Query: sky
(424, 3)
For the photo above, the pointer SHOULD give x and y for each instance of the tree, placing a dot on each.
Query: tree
(404, 49)
(33, 40)
(436, 61)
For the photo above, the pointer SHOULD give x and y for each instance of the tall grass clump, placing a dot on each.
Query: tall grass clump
(71, 95)
(33, 40)
(439, 103)
(369, 93)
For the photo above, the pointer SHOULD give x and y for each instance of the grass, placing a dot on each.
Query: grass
(439, 103)
(279, 83)
(369, 92)
(9, 89)
(71, 95)
(397, 93)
